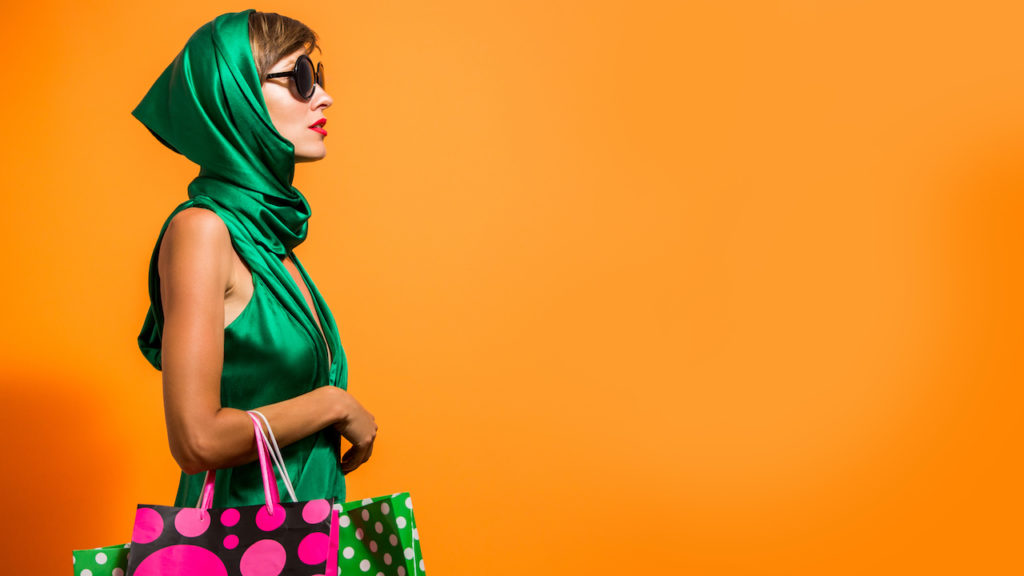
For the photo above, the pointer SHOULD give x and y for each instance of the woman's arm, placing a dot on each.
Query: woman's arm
(195, 264)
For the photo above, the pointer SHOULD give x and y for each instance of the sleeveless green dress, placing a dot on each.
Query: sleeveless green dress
(208, 106)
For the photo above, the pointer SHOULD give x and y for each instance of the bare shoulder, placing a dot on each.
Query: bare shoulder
(196, 240)
(197, 224)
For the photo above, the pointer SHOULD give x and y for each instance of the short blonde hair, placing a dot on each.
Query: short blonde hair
(273, 37)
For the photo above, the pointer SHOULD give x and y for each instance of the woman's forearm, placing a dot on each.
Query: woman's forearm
(226, 438)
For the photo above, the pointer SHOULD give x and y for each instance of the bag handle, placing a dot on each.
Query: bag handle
(263, 448)
(266, 468)
(278, 457)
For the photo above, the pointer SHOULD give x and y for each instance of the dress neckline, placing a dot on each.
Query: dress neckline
(314, 310)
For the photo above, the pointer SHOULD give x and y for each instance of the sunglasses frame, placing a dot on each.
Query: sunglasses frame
(318, 76)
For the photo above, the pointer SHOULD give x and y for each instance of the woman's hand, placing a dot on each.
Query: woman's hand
(358, 427)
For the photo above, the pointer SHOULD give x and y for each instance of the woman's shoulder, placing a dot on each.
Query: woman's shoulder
(197, 225)
(195, 239)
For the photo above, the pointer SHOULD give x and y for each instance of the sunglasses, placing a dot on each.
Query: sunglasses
(304, 77)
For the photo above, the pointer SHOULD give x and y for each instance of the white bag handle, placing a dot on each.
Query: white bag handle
(275, 454)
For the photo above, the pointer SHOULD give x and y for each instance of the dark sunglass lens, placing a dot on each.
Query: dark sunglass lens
(304, 77)
(320, 76)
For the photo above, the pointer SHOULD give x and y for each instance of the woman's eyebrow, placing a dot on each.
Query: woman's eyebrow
(286, 65)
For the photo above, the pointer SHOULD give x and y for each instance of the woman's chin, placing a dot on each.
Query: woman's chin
(310, 156)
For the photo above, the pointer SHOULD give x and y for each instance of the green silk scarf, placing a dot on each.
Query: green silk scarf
(208, 105)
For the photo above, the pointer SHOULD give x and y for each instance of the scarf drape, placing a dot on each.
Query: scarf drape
(208, 105)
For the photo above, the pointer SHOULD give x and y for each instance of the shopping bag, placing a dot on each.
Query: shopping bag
(379, 536)
(103, 561)
(275, 538)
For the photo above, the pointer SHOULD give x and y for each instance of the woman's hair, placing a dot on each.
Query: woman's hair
(273, 37)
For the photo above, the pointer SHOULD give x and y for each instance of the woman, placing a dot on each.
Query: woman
(235, 323)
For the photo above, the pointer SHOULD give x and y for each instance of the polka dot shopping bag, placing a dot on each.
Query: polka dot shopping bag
(105, 561)
(273, 539)
(379, 537)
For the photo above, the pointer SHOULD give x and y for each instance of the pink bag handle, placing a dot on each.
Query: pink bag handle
(266, 471)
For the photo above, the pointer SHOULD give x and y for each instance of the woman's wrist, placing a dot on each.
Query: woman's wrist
(335, 399)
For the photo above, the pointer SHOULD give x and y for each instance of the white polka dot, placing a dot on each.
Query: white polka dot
(395, 495)
(379, 528)
(415, 534)
(408, 502)
(339, 570)
(348, 552)
(344, 521)
(101, 558)
(86, 572)
(364, 565)
(384, 508)
(359, 533)
(117, 572)
(401, 522)
(380, 574)
(409, 554)
(339, 508)
(393, 539)
(421, 566)
(401, 571)
(366, 514)
(367, 501)
(128, 545)
(74, 560)
(387, 559)
(373, 546)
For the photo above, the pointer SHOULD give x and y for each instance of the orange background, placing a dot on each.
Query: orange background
(631, 288)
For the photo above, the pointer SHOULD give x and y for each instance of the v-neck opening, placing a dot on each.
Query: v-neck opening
(314, 310)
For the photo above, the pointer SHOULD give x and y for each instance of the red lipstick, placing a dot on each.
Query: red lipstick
(318, 126)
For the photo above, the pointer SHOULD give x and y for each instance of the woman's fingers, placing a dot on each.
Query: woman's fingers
(359, 428)
(352, 459)
(356, 455)
(369, 449)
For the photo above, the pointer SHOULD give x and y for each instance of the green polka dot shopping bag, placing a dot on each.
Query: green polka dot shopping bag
(379, 536)
(106, 561)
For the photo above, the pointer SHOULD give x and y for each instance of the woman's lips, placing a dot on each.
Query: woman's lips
(318, 126)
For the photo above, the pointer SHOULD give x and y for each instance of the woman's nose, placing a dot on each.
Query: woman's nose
(321, 99)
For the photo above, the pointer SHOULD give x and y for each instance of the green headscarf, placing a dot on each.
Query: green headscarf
(208, 105)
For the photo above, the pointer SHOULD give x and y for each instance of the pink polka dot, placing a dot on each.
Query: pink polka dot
(268, 522)
(191, 522)
(316, 511)
(148, 526)
(229, 517)
(264, 558)
(181, 559)
(231, 541)
(313, 548)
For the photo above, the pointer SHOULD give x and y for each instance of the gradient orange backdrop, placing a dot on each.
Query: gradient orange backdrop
(631, 288)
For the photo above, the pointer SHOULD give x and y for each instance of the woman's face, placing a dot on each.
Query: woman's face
(296, 119)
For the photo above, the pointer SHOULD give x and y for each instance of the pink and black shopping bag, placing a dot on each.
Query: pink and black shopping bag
(275, 538)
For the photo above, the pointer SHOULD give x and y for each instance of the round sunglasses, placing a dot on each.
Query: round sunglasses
(304, 77)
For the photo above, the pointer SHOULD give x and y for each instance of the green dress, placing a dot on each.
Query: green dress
(208, 106)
